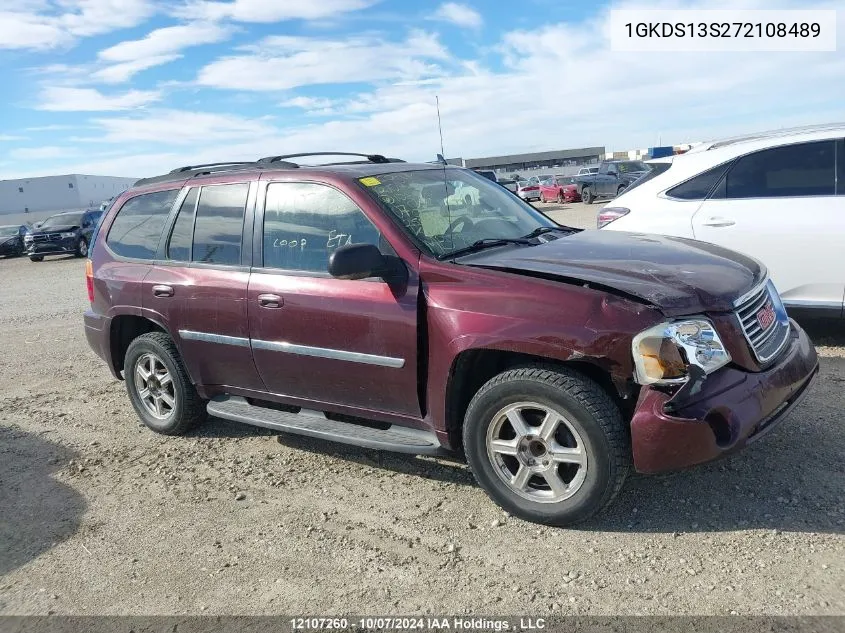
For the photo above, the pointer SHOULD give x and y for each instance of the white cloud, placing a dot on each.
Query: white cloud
(124, 71)
(31, 31)
(458, 14)
(308, 103)
(285, 62)
(39, 153)
(42, 26)
(166, 41)
(269, 10)
(68, 99)
(177, 127)
(9, 138)
(93, 17)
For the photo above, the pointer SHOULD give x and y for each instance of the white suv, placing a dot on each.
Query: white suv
(778, 196)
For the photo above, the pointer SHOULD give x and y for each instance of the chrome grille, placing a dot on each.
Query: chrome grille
(47, 237)
(766, 341)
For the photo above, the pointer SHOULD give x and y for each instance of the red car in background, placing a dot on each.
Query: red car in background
(559, 189)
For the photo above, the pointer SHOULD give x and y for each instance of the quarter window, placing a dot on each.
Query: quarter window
(304, 223)
(137, 228)
(219, 224)
(804, 169)
(697, 188)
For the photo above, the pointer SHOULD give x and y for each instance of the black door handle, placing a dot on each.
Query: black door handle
(270, 301)
(163, 291)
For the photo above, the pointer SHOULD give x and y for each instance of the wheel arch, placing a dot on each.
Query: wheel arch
(124, 329)
(473, 367)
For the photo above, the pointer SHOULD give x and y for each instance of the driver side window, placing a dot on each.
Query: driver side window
(304, 223)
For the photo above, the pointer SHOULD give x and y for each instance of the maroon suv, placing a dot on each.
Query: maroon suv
(364, 302)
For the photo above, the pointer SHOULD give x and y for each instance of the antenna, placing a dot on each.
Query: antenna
(443, 162)
(439, 126)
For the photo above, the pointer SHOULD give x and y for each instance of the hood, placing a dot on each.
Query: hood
(59, 228)
(677, 275)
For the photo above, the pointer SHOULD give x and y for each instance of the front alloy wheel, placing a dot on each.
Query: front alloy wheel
(537, 452)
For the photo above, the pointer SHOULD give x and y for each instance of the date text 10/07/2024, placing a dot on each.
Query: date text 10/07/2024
(445, 623)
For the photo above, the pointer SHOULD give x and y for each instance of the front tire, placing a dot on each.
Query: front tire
(81, 248)
(547, 444)
(36, 258)
(159, 387)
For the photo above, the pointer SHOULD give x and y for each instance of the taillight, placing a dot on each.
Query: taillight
(610, 214)
(89, 280)
(531, 188)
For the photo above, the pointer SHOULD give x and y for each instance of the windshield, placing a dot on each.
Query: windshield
(64, 219)
(631, 165)
(444, 214)
(8, 231)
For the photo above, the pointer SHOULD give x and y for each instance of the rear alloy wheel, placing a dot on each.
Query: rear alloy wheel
(547, 444)
(620, 191)
(159, 387)
(82, 248)
(587, 195)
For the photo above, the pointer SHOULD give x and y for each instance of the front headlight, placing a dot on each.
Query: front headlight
(663, 353)
(27, 238)
(67, 236)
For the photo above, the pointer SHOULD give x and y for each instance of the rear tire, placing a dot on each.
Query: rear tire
(81, 248)
(620, 191)
(568, 460)
(587, 195)
(36, 258)
(560, 198)
(159, 387)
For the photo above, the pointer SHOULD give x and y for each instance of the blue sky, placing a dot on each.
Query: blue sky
(137, 87)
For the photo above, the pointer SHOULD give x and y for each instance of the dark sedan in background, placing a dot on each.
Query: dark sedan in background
(62, 234)
(11, 240)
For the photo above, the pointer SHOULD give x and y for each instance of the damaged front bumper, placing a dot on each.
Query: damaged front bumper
(731, 409)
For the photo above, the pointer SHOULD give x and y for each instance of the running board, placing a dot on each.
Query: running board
(315, 424)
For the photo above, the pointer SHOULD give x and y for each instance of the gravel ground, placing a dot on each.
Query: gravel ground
(101, 516)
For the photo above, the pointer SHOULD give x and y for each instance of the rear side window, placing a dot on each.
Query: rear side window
(803, 169)
(219, 224)
(304, 223)
(699, 187)
(137, 228)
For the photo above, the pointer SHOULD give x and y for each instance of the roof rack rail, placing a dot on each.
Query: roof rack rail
(179, 170)
(373, 158)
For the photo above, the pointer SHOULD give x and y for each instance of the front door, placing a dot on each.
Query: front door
(779, 205)
(317, 338)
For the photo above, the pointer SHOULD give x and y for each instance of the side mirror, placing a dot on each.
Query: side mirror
(612, 173)
(357, 261)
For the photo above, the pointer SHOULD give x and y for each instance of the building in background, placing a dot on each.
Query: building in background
(59, 193)
(518, 163)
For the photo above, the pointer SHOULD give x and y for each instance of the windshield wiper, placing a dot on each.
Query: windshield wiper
(487, 242)
(540, 230)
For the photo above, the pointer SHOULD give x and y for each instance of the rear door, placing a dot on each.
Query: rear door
(345, 342)
(199, 283)
(780, 206)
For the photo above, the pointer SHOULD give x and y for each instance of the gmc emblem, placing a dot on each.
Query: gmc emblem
(766, 316)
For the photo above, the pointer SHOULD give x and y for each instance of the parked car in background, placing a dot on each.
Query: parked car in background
(560, 189)
(611, 179)
(778, 196)
(586, 171)
(510, 185)
(554, 359)
(11, 240)
(62, 234)
(528, 191)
